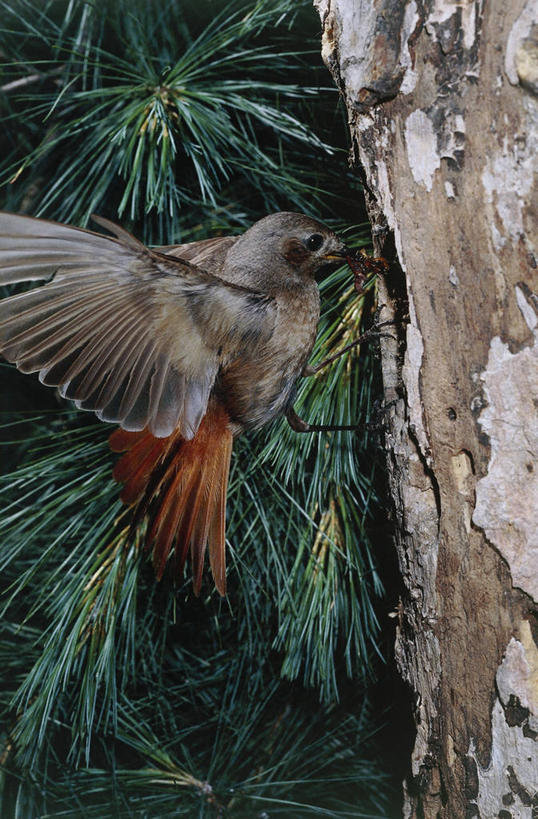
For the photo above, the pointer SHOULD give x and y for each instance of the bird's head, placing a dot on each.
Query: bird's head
(286, 247)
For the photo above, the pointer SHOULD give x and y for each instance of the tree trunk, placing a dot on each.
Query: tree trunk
(442, 106)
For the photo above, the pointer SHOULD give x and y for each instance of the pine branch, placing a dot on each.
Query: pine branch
(122, 696)
(150, 123)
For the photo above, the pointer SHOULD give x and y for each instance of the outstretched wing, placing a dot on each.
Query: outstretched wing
(203, 252)
(133, 334)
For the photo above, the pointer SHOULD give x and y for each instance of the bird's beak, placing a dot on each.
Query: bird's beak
(335, 257)
(339, 254)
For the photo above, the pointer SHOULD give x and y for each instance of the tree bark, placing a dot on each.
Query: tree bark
(442, 105)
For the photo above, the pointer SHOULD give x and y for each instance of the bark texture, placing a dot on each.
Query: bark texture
(442, 105)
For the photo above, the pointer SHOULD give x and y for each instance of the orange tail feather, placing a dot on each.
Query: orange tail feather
(180, 487)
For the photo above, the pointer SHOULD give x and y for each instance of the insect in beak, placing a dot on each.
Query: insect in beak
(364, 267)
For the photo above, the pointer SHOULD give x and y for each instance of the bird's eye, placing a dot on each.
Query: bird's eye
(314, 242)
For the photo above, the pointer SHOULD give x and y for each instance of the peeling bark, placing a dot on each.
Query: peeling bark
(443, 111)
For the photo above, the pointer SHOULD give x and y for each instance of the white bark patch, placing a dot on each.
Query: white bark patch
(343, 24)
(421, 145)
(378, 179)
(507, 180)
(527, 65)
(452, 137)
(410, 21)
(462, 471)
(513, 757)
(411, 378)
(385, 192)
(527, 310)
(468, 23)
(449, 190)
(442, 10)
(520, 30)
(507, 497)
(518, 675)
(453, 276)
(513, 767)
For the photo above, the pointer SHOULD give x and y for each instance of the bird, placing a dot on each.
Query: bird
(183, 347)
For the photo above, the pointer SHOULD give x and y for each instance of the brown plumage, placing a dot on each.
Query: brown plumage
(184, 347)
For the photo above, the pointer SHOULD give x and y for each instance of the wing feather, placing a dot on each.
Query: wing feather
(124, 352)
(137, 368)
(132, 334)
(92, 366)
(19, 312)
(51, 344)
(166, 412)
(114, 377)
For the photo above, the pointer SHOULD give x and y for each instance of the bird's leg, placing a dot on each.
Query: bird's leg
(372, 332)
(294, 420)
(298, 425)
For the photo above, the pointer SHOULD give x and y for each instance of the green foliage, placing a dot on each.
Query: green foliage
(159, 115)
(122, 696)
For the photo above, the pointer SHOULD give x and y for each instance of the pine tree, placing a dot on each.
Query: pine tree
(122, 696)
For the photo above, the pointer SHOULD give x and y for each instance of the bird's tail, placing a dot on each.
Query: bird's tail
(180, 487)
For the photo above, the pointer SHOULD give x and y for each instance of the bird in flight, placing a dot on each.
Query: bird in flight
(183, 347)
